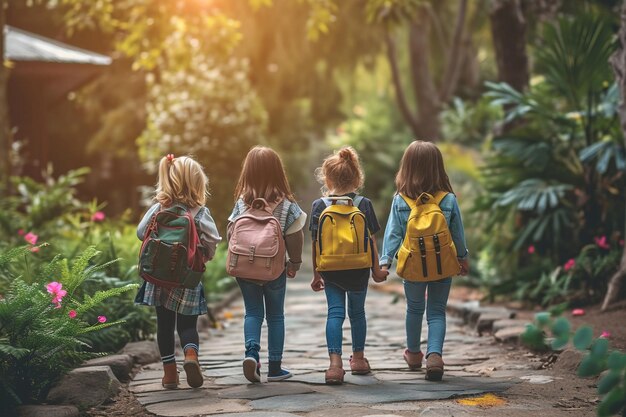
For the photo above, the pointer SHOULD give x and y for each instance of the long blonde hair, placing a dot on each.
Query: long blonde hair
(341, 172)
(263, 176)
(422, 171)
(181, 180)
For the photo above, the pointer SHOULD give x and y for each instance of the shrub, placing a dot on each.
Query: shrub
(43, 327)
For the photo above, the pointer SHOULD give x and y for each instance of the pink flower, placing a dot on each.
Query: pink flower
(601, 242)
(102, 319)
(605, 334)
(531, 249)
(98, 216)
(578, 312)
(56, 289)
(569, 265)
(34, 249)
(31, 238)
(21, 232)
(72, 314)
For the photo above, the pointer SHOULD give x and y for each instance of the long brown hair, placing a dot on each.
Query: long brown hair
(422, 171)
(263, 176)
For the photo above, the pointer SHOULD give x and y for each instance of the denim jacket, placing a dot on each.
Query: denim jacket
(399, 217)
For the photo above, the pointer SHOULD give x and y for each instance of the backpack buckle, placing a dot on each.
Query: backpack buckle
(251, 256)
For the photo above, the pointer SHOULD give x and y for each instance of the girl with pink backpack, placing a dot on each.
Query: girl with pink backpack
(264, 229)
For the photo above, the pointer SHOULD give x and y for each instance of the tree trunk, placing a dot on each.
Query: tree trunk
(5, 124)
(426, 95)
(397, 83)
(508, 30)
(455, 57)
(618, 61)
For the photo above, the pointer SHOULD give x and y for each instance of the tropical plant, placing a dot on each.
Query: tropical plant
(554, 177)
(43, 324)
(598, 358)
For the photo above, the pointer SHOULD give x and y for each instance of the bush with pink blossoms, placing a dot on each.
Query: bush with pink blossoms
(44, 323)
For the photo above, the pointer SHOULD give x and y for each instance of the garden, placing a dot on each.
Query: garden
(525, 99)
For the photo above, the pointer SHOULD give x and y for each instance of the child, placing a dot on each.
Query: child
(263, 176)
(342, 176)
(181, 181)
(422, 171)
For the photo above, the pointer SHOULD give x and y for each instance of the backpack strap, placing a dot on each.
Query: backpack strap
(439, 196)
(356, 201)
(411, 203)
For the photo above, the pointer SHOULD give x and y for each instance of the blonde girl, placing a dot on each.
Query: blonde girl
(342, 176)
(181, 180)
(263, 176)
(422, 171)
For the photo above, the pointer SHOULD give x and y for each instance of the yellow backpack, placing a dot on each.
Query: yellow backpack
(427, 252)
(343, 240)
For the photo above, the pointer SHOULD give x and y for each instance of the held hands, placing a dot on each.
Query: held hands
(317, 284)
(464, 266)
(380, 274)
(292, 269)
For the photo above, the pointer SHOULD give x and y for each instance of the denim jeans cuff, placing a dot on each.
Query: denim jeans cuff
(334, 351)
(275, 358)
(358, 348)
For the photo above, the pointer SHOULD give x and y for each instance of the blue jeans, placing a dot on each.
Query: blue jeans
(435, 307)
(273, 293)
(336, 299)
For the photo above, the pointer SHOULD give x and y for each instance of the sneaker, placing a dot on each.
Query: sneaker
(414, 360)
(283, 374)
(434, 367)
(252, 369)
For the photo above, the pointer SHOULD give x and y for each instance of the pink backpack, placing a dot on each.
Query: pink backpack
(256, 249)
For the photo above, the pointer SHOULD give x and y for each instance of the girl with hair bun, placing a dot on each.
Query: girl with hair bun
(342, 178)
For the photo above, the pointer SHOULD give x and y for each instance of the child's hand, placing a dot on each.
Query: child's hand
(464, 266)
(317, 284)
(292, 269)
(380, 275)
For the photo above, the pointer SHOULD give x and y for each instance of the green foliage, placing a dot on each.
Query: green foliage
(553, 178)
(597, 359)
(215, 279)
(38, 342)
(470, 123)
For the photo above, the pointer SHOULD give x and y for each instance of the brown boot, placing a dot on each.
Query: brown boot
(414, 360)
(192, 369)
(170, 376)
(434, 367)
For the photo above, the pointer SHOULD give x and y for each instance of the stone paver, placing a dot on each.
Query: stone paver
(472, 363)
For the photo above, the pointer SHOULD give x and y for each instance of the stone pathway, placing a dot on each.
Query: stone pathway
(474, 366)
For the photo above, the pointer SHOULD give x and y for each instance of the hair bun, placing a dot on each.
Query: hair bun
(347, 154)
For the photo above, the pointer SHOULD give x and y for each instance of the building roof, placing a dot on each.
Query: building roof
(26, 46)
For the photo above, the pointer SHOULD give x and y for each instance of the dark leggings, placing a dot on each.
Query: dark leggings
(167, 322)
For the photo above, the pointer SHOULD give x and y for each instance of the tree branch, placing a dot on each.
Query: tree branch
(397, 83)
(451, 74)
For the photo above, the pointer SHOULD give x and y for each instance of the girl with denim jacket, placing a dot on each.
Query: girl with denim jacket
(263, 176)
(342, 176)
(422, 171)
